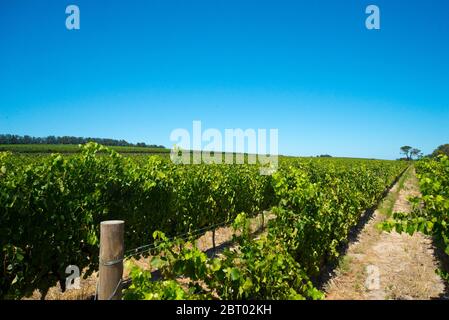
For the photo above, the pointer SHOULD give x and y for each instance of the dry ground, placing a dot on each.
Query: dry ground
(382, 266)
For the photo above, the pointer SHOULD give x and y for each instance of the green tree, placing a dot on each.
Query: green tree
(443, 149)
(405, 150)
(416, 153)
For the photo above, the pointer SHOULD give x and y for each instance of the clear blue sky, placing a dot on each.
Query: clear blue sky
(139, 69)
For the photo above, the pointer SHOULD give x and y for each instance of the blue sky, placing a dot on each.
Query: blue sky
(139, 69)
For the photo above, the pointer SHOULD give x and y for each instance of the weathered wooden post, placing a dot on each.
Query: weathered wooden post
(213, 240)
(111, 260)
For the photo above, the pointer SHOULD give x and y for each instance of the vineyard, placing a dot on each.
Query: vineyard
(52, 206)
(431, 210)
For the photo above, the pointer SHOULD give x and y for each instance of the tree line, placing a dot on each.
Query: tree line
(411, 153)
(17, 139)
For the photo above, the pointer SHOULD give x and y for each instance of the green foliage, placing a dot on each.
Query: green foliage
(441, 150)
(319, 201)
(320, 204)
(74, 148)
(257, 269)
(406, 151)
(51, 207)
(143, 288)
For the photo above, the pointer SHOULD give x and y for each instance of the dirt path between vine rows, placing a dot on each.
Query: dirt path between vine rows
(383, 266)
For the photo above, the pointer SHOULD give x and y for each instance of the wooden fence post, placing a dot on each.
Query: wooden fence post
(111, 260)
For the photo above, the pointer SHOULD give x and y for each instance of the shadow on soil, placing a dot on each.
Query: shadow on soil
(443, 264)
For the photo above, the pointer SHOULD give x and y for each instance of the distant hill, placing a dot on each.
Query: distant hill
(74, 148)
(11, 139)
